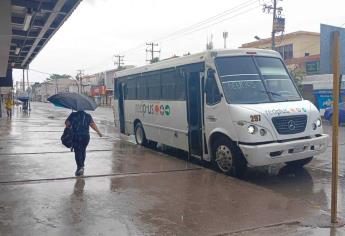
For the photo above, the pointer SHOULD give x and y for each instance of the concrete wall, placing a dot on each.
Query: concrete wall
(324, 81)
(5, 35)
(302, 43)
(305, 43)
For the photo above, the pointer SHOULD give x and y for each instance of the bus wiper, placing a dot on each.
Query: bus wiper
(293, 99)
(271, 92)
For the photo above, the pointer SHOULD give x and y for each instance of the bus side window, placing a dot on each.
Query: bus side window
(116, 93)
(141, 89)
(211, 89)
(153, 83)
(168, 84)
(131, 87)
(180, 87)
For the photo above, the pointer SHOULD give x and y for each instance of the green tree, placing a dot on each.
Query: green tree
(155, 60)
(54, 77)
(298, 75)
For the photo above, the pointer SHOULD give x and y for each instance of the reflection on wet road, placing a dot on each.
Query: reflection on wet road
(131, 190)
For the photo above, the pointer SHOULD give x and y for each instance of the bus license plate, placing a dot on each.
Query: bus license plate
(298, 149)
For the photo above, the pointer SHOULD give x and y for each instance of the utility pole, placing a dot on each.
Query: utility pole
(119, 61)
(80, 78)
(152, 51)
(276, 27)
(225, 36)
(335, 133)
(209, 44)
(273, 20)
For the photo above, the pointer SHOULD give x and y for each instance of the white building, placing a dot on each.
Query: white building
(46, 89)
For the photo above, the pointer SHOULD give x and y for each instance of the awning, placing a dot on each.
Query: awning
(26, 26)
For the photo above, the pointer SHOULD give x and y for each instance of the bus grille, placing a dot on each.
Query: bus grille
(290, 124)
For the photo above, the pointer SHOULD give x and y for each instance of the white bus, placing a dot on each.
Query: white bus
(233, 108)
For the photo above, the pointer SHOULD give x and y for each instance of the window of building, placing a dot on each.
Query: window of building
(286, 51)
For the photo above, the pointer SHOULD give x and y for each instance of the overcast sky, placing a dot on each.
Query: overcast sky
(98, 29)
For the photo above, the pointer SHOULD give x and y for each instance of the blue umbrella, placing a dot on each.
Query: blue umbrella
(74, 101)
(23, 99)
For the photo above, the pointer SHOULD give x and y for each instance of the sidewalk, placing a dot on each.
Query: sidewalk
(130, 190)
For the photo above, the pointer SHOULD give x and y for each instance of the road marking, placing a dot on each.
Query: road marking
(292, 222)
(35, 153)
(119, 175)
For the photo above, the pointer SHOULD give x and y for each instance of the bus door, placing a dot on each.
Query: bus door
(195, 114)
(121, 88)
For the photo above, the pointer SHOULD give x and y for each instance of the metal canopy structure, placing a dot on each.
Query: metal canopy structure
(31, 24)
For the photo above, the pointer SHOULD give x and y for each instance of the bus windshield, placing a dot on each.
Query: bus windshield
(250, 80)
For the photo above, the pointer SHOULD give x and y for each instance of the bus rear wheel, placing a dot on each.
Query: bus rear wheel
(139, 133)
(228, 158)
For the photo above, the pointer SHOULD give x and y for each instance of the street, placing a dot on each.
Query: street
(132, 190)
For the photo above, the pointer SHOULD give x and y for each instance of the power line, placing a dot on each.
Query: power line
(220, 21)
(210, 19)
(41, 72)
(216, 19)
(192, 29)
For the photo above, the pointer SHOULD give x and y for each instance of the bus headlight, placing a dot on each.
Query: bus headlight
(252, 129)
(318, 122)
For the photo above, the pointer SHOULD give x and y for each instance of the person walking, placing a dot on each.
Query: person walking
(80, 122)
(9, 105)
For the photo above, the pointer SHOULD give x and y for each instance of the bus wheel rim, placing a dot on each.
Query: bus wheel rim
(224, 158)
(139, 135)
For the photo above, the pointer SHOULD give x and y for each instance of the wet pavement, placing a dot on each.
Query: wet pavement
(131, 190)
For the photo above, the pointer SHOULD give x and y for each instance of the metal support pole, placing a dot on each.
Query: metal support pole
(23, 80)
(336, 73)
(0, 103)
(27, 77)
(273, 29)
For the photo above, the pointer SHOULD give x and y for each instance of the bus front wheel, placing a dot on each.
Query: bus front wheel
(228, 158)
(140, 137)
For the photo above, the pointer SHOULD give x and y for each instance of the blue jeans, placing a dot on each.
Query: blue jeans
(80, 143)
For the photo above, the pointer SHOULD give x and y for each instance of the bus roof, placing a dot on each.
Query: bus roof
(195, 58)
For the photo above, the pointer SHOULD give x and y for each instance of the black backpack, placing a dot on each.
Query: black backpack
(67, 137)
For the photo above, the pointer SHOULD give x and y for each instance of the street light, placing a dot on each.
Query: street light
(27, 20)
(257, 37)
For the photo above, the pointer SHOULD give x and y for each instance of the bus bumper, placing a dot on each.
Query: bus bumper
(266, 154)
